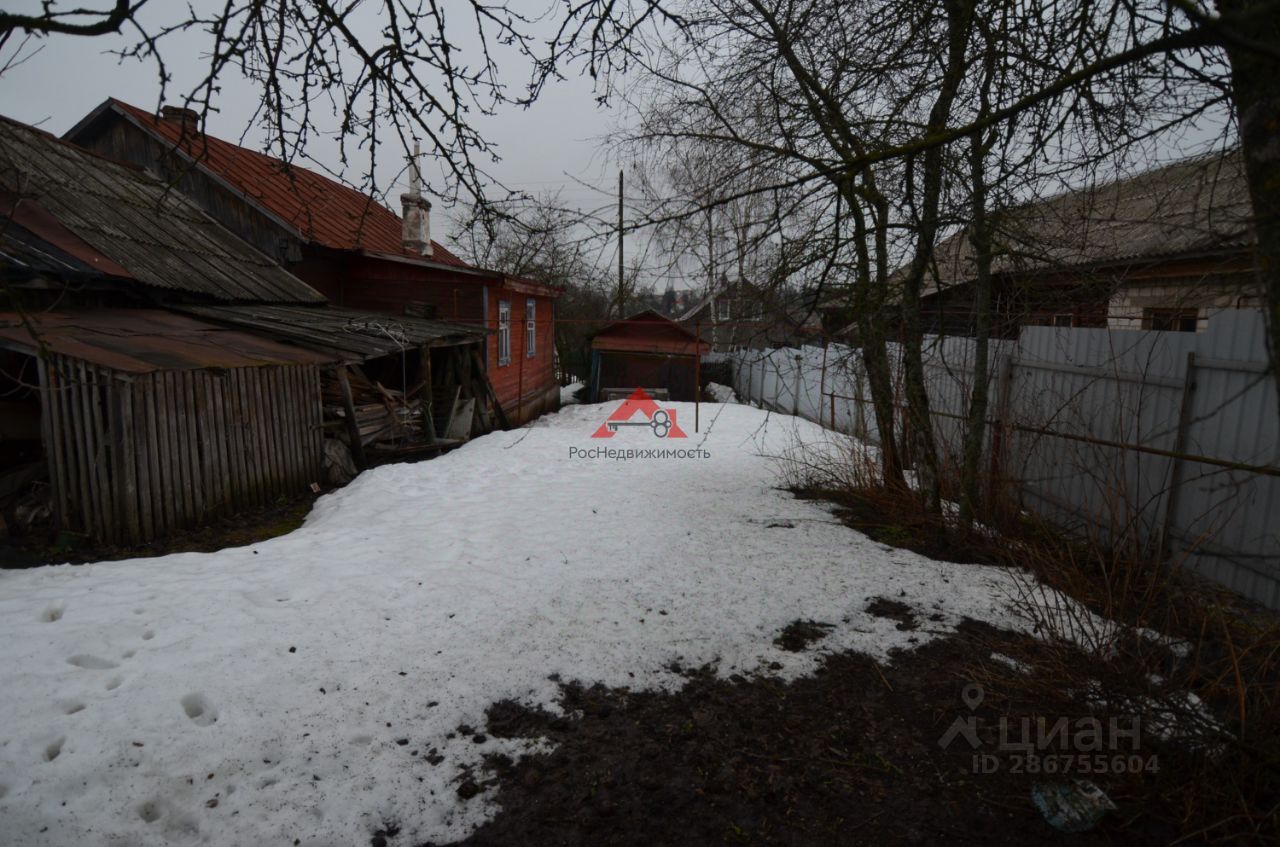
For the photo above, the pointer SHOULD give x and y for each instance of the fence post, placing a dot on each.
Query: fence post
(1179, 447)
(822, 386)
(762, 372)
(795, 397)
(999, 427)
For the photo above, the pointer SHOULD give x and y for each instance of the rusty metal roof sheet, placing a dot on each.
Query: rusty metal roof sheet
(322, 210)
(347, 334)
(146, 340)
(159, 236)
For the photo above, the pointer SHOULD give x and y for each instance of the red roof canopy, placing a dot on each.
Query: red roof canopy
(649, 332)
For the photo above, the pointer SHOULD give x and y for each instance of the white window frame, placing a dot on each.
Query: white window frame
(504, 332)
(723, 309)
(530, 328)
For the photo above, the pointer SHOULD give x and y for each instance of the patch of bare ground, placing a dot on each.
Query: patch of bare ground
(849, 755)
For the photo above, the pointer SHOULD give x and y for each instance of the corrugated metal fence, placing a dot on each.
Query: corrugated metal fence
(1169, 438)
(135, 456)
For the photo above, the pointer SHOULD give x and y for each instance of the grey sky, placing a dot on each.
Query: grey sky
(538, 146)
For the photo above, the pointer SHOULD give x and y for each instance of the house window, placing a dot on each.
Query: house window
(1170, 320)
(504, 332)
(530, 328)
(722, 309)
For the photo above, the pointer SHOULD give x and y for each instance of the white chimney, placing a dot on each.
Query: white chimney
(415, 226)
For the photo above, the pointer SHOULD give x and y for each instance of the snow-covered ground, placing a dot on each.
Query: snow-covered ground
(302, 688)
(568, 392)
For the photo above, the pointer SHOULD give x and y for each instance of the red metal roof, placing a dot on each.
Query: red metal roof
(325, 211)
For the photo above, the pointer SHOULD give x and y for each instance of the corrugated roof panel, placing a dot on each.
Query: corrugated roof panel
(147, 340)
(344, 333)
(159, 236)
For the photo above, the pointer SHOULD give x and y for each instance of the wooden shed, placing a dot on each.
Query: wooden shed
(152, 422)
(649, 351)
(344, 243)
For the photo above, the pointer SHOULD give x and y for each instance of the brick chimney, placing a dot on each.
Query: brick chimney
(415, 226)
(188, 119)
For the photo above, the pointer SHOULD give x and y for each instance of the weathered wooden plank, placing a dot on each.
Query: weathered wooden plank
(63, 431)
(292, 429)
(104, 453)
(127, 458)
(158, 455)
(193, 445)
(253, 440)
(206, 443)
(50, 433)
(244, 454)
(218, 431)
(235, 441)
(169, 432)
(349, 409)
(104, 395)
(272, 411)
(142, 451)
(83, 393)
(178, 422)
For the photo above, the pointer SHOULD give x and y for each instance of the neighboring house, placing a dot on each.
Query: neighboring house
(157, 371)
(1153, 251)
(645, 350)
(349, 247)
(738, 315)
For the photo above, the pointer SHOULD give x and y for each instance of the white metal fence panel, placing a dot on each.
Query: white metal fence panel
(1166, 439)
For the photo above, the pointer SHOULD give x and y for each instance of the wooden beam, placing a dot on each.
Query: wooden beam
(353, 428)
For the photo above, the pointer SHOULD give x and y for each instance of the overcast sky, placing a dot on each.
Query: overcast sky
(553, 145)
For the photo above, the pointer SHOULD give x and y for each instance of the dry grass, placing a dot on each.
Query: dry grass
(1117, 634)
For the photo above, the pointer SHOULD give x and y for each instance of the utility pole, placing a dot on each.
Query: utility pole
(622, 290)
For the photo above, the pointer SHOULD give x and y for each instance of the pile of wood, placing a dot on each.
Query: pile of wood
(441, 412)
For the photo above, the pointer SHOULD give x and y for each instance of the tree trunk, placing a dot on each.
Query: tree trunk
(976, 430)
(869, 308)
(1257, 102)
(924, 449)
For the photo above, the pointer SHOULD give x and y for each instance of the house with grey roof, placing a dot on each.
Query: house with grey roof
(1153, 251)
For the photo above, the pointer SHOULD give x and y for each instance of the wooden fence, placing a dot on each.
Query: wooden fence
(133, 457)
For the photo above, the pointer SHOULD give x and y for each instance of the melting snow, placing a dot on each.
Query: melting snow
(302, 688)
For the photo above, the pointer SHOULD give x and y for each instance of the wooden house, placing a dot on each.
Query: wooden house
(158, 371)
(345, 244)
(649, 351)
(1153, 251)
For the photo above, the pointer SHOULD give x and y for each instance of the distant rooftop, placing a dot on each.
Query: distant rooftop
(1196, 206)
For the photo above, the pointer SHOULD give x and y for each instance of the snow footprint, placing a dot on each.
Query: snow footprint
(92, 663)
(53, 612)
(53, 749)
(199, 710)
